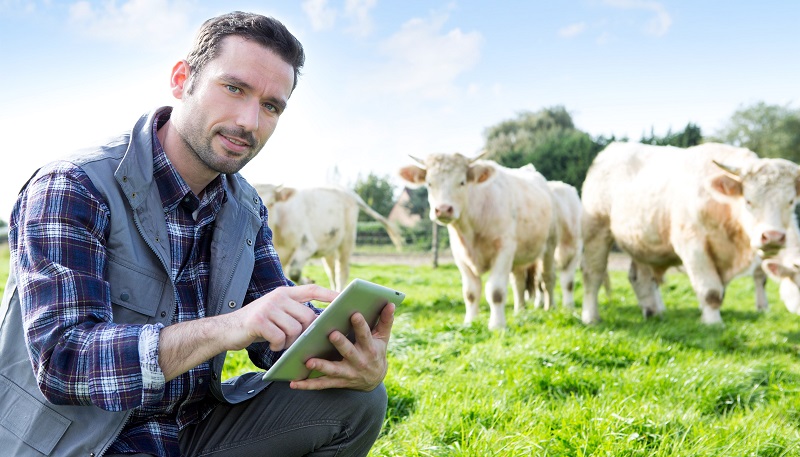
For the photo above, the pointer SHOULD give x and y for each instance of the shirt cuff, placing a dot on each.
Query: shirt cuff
(152, 376)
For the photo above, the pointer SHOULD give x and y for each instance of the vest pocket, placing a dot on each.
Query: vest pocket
(29, 419)
(136, 293)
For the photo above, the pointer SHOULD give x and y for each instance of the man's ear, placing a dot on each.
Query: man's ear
(180, 78)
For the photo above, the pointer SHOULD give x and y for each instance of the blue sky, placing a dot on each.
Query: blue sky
(385, 79)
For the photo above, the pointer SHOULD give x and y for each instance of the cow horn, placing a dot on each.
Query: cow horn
(736, 171)
(419, 161)
(482, 154)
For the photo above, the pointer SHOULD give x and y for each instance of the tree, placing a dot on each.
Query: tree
(377, 192)
(768, 130)
(690, 136)
(418, 202)
(547, 139)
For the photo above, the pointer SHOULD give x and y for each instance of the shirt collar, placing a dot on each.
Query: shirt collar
(171, 185)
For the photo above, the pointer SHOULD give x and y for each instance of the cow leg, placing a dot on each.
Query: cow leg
(343, 263)
(531, 285)
(596, 246)
(329, 263)
(298, 261)
(760, 283)
(342, 273)
(567, 279)
(534, 284)
(519, 285)
(471, 289)
(548, 268)
(645, 285)
(707, 286)
(497, 289)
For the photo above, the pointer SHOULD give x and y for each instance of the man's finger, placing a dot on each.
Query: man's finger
(383, 329)
(308, 292)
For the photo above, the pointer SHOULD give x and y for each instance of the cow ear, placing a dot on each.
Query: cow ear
(479, 173)
(413, 175)
(727, 185)
(776, 269)
(284, 193)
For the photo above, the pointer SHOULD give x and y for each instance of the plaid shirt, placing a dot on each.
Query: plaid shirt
(80, 355)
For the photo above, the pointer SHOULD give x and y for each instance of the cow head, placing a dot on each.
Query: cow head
(766, 191)
(271, 193)
(447, 178)
(787, 273)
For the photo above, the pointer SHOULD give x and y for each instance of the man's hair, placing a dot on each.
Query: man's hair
(266, 31)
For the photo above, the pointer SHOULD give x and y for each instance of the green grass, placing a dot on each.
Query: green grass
(551, 386)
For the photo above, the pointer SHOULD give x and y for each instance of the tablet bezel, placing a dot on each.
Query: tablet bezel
(360, 296)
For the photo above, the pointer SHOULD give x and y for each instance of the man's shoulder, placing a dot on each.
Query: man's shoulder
(113, 150)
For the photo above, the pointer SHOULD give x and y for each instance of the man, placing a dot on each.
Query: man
(137, 265)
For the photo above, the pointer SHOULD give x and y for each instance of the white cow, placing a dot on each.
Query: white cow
(318, 222)
(500, 221)
(710, 207)
(569, 243)
(783, 267)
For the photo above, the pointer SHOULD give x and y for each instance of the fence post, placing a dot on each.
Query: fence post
(435, 243)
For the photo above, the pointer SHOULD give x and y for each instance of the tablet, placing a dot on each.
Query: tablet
(359, 296)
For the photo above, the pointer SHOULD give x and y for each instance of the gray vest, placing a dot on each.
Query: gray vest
(141, 292)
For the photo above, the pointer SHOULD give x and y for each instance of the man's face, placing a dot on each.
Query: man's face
(231, 108)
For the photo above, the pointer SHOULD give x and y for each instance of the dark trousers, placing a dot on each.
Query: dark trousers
(283, 422)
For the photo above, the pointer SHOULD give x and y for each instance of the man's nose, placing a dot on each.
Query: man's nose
(249, 115)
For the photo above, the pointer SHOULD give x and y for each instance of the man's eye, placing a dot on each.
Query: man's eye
(270, 107)
(233, 89)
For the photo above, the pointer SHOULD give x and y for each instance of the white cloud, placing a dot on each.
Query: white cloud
(358, 12)
(658, 25)
(134, 21)
(321, 15)
(426, 60)
(572, 30)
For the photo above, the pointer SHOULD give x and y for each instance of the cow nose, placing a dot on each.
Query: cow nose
(444, 211)
(773, 238)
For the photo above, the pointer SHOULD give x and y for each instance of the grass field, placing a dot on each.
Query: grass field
(551, 386)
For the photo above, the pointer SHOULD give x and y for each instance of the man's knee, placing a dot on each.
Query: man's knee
(372, 406)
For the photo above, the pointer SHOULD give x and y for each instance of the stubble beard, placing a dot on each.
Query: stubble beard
(205, 154)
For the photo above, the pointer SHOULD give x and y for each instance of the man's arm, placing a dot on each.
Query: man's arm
(278, 317)
(57, 236)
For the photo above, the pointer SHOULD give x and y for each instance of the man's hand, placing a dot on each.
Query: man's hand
(364, 363)
(278, 317)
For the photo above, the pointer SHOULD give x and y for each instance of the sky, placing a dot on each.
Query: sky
(387, 79)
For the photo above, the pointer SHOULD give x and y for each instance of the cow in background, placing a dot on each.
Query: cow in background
(710, 208)
(318, 222)
(569, 243)
(500, 221)
(783, 267)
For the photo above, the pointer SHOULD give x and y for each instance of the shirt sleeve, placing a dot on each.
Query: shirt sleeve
(267, 275)
(59, 227)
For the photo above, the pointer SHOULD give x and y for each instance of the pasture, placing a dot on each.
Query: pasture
(552, 386)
